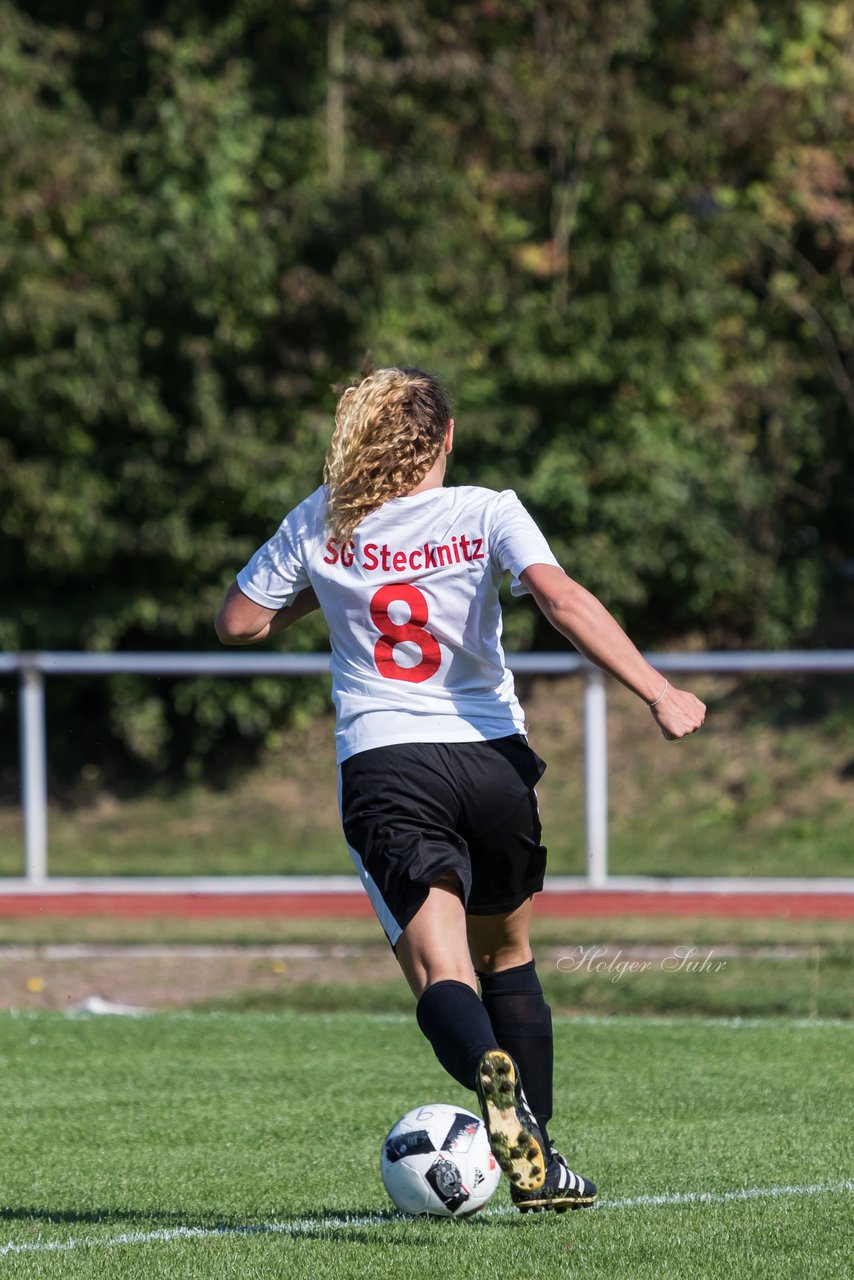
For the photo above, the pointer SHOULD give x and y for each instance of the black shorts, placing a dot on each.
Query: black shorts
(415, 811)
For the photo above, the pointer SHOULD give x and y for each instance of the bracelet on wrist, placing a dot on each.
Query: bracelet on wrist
(660, 696)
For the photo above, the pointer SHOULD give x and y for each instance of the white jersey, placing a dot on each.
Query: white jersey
(412, 608)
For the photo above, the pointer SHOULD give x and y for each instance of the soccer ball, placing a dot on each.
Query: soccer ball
(437, 1161)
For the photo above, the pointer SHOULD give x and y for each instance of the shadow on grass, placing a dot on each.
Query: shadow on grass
(115, 1217)
(310, 1224)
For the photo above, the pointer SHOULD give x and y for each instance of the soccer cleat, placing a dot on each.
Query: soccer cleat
(514, 1134)
(561, 1190)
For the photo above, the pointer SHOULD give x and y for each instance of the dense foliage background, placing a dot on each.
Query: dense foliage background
(621, 231)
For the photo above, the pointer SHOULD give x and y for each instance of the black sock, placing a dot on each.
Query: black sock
(522, 1022)
(457, 1026)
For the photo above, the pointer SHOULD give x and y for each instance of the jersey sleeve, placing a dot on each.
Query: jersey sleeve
(516, 541)
(278, 571)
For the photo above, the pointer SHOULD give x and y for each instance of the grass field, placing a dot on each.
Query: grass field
(247, 1145)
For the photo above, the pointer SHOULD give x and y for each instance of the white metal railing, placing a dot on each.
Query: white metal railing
(31, 668)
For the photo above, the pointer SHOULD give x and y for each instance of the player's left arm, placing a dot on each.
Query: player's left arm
(584, 620)
(242, 621)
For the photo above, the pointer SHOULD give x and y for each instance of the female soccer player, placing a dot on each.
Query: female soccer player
(436, 778)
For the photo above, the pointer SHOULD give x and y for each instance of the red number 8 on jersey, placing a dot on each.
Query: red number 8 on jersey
(392, 633)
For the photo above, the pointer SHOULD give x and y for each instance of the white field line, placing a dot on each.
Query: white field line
(725, 1197)
(621, 1020)
(338, 1222)
(296, 886)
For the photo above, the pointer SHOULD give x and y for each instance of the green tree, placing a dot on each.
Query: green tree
(621, 232)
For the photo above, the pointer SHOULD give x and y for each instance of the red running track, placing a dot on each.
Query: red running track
(575, 903)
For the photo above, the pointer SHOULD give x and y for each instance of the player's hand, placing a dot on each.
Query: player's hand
(679, 713)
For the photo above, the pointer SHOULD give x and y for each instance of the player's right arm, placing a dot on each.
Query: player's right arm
(242, 621)
(578, 615)
(272, 591)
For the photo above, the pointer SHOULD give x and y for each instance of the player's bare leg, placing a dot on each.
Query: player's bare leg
(501, 941)
(432, 947)
(433, 954)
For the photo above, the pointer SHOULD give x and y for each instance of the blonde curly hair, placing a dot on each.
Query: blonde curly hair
(389, 430)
